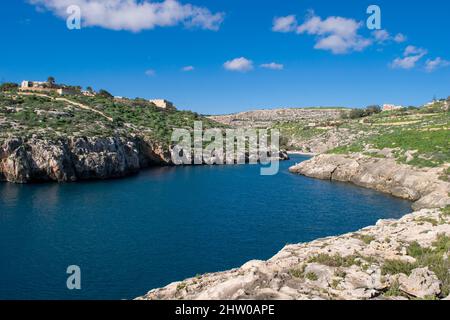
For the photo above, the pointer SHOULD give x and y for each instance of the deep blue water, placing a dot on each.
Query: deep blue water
(165, 224)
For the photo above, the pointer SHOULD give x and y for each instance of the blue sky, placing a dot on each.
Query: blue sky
(324, 56)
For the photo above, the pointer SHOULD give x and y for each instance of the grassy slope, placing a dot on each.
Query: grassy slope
(428, 134)
(24, 116)
(425, 130)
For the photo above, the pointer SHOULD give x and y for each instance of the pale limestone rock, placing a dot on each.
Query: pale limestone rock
(420, 185)
(72, 159)
(420, 283)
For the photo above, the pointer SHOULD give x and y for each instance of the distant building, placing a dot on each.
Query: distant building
(88, 93)
(66, 91)
(163, 104)
(391, 107)
(43, 86)
(34, 86)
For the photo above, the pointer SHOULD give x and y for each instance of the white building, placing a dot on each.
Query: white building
(43, 86)
(391, 107)
(163, 104)
(30, 85)
(88, 93)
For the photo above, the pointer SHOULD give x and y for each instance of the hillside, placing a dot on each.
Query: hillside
(45, 137)
(48, 116)
(418, 136)
(267, 118)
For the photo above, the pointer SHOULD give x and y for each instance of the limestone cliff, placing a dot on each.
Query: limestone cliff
(72, 159)
(423, 186)
(81, 158)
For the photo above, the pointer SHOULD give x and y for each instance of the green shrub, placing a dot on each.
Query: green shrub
(335, 260)
(311, 276)
(397, 266)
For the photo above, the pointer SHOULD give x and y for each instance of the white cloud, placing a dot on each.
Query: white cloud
(239, 64)
(187, 68)
(150, 72)
(400, 37)
(433, 64)
(134, 15)
(284, 24)
(337, 34)
(272, 66)
(410, 50)
(411, 56)
(381, 35)
(406, 63)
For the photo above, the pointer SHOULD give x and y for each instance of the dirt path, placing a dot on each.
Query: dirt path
(76, 104)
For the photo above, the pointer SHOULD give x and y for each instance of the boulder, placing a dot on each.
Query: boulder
(420, 283)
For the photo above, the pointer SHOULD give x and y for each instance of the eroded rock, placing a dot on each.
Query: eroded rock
(420, 283)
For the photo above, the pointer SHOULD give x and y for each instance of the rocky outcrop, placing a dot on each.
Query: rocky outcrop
(73, 159)
(422, 186)
(420, 283)
(81, 158)
(373, 263)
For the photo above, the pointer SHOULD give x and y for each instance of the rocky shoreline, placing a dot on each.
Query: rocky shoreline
(422, 186)
(395, 259)
(82, 158)
(73, 159)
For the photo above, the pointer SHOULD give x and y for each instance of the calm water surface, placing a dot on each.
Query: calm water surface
(165, 224)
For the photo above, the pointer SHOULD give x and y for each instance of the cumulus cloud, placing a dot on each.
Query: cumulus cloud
(284, 24)
(412, 50)
(383, 36)
(187, 68)
(272, 66)
(400, 37)
(239, 64)
(150, 73)
(134, 15)
(406, 62)
(336, 34)
(433, 64)
(411, 56)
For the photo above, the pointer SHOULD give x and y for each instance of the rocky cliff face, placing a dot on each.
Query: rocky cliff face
(72, 159)
(422, 186)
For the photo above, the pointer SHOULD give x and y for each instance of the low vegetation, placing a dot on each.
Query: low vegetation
(417, 137)
(26, 116)
(434, 258)
(336, 260)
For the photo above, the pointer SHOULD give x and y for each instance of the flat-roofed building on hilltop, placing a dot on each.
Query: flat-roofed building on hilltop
(163, 104)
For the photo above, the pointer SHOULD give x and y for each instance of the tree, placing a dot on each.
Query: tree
(51, 81)
(89, 89)
(370, 110)
(357, 113)
(8, 86)
(105, 94)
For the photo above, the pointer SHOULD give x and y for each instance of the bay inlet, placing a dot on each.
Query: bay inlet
(166, 224)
